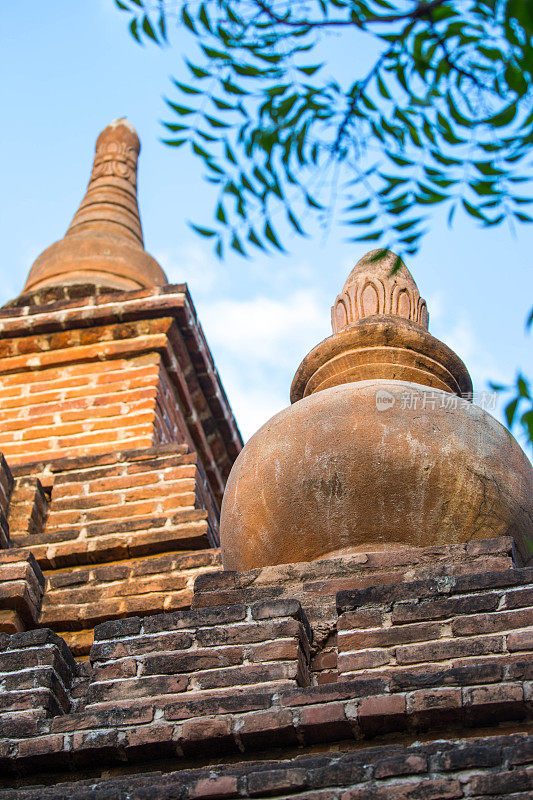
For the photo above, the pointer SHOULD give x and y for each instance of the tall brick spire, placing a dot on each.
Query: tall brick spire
(104, 243)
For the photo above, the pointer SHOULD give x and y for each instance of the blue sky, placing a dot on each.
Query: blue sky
(69, 67)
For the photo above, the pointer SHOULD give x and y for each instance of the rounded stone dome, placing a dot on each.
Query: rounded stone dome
(381, 447)
(379, 464)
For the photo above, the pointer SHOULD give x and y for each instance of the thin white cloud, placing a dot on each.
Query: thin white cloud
(269, 331)
(257, 344)
(192, 265)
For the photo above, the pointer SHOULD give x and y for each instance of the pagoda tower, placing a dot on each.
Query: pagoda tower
(367, 633)
(113, 419)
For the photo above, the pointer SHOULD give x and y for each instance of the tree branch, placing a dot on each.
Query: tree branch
(423, 9)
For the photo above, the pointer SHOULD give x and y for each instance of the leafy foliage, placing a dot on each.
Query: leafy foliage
(441, 117)
(519, 408)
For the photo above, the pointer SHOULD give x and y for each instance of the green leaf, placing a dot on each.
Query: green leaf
(254, 240)
(401, 162)
(174, 142)
(355, 206)
(523, 388)
(181, 110)
(510, 411)
(370, 237)
(161, 24)
(200, 151)
(187, 89)
(215, 54)
(504, 117)
(384, 92)
(312, 203)
(187, 20)
(236, 245)
(175, 128)
(271, 236)
(204, 19)
(216, 123)
(232, 88)
(474, 212)
(134, 30)
(207, 232)
(147, 28)
(222, 105)
(198, 72)
(310, 70)
(294, 222)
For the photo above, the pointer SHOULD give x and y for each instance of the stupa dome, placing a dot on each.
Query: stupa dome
(382, 447)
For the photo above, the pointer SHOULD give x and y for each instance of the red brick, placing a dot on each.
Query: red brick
(210, 734)
(156, 739)
(324, 660)
(41, 745)
(400, 765)
(388, 637)
(449, 649)
(382, 713)
(327, 722)
(259, 729)
(365, 618)
(278, 650)
(520, 640)
(433, 699)
(502, 783)
(220, 786)
(363, 660)
(490, 623)
(279, 781)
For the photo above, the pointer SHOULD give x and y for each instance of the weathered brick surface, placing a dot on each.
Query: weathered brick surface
(104, 373)
(434, 625)
(37, 674)
(152, 662)
(230, 679)
(146, 517)
(448, 769)
(120, 440)
(6, 489)
(21, 590)
(28, 508)
(317, 584)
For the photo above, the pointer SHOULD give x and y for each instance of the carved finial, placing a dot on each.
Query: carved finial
(111, 198)
(104, 243)
(380, 331)
(380, 283)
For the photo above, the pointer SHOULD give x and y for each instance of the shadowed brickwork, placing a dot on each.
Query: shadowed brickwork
(416, 659)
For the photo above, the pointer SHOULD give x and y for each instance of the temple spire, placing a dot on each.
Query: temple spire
(110, 202)
(103, 245)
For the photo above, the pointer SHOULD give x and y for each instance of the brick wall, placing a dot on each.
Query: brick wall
(116, 535)
(21, 591)
(316, 584)
(474, 767)
(6, 488)
(76, 407)
(212, 683)
(101, 374)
